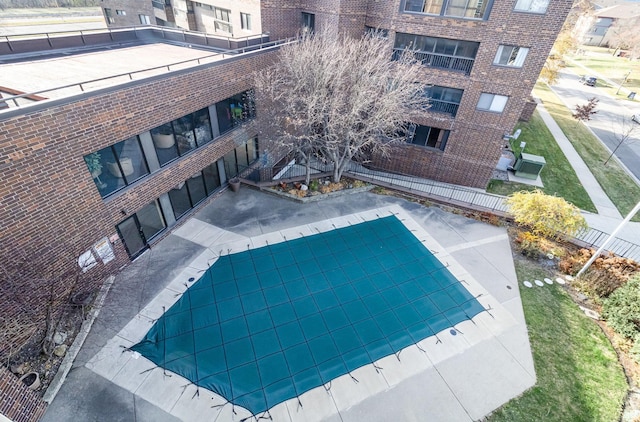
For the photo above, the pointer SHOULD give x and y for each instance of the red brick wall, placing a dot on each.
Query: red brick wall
(17, 402)
(474, 146)
(50, 208)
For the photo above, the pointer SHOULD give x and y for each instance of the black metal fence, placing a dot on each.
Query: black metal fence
(477, 199)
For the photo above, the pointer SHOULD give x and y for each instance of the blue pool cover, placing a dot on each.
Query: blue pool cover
(269, 324)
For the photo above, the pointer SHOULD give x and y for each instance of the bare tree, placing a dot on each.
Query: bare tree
(333, 98)
(35, 297)
(624, 130)
(584, 112)
(624, 34)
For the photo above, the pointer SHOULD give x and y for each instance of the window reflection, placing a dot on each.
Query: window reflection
(176, 138)
(235, 110)
(179, 197)
(211, 178)
(117, 166)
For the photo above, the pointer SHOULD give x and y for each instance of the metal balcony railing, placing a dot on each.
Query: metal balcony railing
(442, 61)
(443, 107)
(441, 192)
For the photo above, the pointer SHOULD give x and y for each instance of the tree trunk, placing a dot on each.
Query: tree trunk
(307, 177)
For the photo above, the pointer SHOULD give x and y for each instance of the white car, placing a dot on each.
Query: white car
(636, 118)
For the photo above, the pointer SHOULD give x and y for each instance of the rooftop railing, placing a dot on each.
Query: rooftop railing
(19, 101)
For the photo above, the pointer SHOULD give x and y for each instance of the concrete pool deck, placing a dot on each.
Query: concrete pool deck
(446, 377)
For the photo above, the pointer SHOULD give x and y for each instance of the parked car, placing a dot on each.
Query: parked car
(636, 118)
(588, 80)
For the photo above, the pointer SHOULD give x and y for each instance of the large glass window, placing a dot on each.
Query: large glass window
(473, 9)
(239, 159)
(532, 6)
(151, 220)
(492, 102)
(117, 166)
(197, 191)
(438, 52)
(511, 55)
(444, 100)
(211, 178)
(426, 136)
(180, 136)
(180, 201)
(235, 110)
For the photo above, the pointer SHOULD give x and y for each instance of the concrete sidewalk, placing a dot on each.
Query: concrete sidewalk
(603, 204)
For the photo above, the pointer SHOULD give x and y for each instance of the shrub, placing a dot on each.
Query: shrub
(607, 273)
(622, 308)
(535, 246)
(545, 215)
(313, 185)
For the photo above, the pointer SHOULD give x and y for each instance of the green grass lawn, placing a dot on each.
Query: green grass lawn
(558, 176)
(579, 377)
(621, 189)
(601, 60)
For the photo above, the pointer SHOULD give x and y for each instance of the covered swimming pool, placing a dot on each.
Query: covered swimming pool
(268, 324)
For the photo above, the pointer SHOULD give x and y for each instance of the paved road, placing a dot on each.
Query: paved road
(612, 119)
(38, 21)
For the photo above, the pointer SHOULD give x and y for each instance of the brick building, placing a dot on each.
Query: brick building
(104, 165)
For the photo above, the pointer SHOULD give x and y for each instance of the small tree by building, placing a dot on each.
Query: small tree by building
(545, 215)
(584, 112)
(334, 97)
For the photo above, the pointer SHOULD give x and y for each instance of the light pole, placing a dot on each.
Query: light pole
(623, 81)
(609, 239)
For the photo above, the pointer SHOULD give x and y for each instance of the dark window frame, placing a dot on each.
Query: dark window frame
(440, 142)
(429, 51)
(445, 6)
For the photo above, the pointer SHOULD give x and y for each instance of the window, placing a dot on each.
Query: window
(472, 9)
(117, 166)
(151, 220)
(121, 12)
(444, 100)
(438, 52)
(222, 19)
(492, 102)
(509, 55)
(426, 136)
(245, 21)
(157, 4)
(235, 110)
(182, 135)
(238, 160)
(108, 16)
(144, 19)
(532, 6)
(308, 22)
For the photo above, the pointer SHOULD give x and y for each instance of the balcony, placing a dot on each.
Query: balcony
(439, 106)
(442, 61)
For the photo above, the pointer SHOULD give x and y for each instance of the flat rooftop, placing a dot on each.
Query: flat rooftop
(59, 65)
(69, 68)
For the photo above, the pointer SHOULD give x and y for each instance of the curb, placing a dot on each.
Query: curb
(71, 355)
(319, 197)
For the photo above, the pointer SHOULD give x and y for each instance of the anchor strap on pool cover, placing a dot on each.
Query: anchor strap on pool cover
(268, 324)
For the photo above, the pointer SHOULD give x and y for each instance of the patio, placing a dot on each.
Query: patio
(460, 373)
